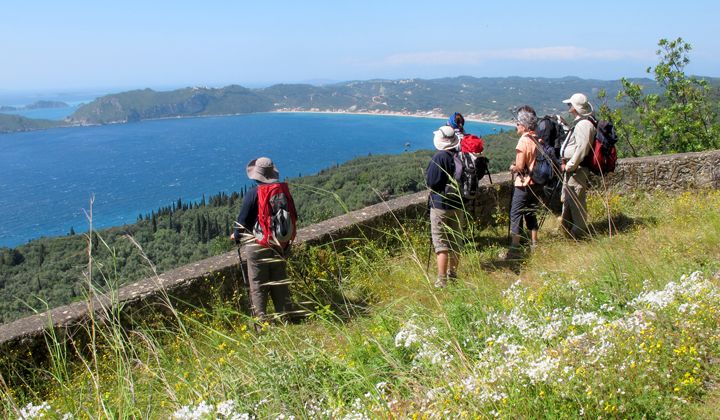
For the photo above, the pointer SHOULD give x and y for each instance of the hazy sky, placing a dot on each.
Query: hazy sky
(155, 43)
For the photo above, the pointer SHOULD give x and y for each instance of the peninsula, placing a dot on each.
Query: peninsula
(482, 99)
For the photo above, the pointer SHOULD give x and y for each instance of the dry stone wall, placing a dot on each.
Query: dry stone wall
(217, 277)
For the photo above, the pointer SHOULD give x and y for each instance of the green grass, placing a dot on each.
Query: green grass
(615, 326)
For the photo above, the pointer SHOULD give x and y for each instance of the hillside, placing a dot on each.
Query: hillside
(485, 98)
(603, 328)
(15, 123)
(49, 271)
(145, 104)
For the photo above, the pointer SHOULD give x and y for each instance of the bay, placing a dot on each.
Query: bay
(47, 178)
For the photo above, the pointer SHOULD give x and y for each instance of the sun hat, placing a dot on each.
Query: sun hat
(445, 138)
(580, 103)
(262, 169)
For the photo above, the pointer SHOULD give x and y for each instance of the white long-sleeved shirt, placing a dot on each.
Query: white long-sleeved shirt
(578, 143)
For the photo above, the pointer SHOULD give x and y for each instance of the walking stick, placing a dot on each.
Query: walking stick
(427, 210)
(245, 282)
(512, 192)
(549, 202)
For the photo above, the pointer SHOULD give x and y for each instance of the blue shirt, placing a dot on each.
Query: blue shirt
(437, 177)
(249, 211)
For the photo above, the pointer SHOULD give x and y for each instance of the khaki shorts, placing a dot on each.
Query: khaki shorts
(446, 229)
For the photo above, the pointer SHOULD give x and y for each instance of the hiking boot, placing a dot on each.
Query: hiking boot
(512, 253)
(452, 276)
(441, 282)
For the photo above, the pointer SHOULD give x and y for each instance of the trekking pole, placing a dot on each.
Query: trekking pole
(549, 202)
(245, 283)
(512, 192)
(427, 209)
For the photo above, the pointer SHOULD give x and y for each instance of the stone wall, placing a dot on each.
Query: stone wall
(202, 282)
(680, 172)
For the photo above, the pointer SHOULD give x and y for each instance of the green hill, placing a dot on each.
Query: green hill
(486, 98)
(14, 123)
(147, 104)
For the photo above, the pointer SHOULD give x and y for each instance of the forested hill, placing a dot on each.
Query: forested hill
(12, 123)
(485, 98)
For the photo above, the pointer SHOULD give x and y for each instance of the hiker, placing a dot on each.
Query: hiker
(457, 122)
(265, 256)
(525, 192)
(446, 207)
(576, 146)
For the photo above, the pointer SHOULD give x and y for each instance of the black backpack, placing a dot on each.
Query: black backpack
(552, 132)
(469, 170)
(546, 163)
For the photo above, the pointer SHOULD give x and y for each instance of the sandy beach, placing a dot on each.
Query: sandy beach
(429, 114)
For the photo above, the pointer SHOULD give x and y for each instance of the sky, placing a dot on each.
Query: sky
(66, 45)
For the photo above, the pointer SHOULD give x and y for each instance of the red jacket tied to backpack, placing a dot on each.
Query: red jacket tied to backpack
(277, 218)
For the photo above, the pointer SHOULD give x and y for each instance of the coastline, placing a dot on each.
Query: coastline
(479, 118)
(428, 114)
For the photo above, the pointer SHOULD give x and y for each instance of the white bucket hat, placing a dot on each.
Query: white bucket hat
(445, 138)
(262, 169)
(580, 103)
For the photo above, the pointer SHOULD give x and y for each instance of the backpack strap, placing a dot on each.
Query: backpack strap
(590, 118)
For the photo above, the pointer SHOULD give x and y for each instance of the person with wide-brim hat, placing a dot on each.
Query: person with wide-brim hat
(262, 170)
(446, 205)
(266, 266)
(576, 177)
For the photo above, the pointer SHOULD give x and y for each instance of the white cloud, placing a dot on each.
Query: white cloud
(560, 53)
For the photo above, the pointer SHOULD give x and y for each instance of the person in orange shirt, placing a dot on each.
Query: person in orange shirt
(525, 193)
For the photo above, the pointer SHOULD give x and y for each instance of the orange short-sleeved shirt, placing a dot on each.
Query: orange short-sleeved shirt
(525, 160)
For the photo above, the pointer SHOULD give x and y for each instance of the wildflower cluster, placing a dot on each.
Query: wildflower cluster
(604, 360)
(424, 345)
(42, 410)
(224, 410)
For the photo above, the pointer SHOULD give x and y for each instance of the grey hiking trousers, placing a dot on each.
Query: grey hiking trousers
(267, 275)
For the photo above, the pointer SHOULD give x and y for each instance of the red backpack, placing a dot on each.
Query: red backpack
(277, 218)
(603, 156)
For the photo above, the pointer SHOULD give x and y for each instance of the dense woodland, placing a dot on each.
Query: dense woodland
(48, 272)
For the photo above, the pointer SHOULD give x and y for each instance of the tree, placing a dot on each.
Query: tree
(683, 118)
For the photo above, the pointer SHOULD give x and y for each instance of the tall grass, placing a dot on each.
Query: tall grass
(614, 326)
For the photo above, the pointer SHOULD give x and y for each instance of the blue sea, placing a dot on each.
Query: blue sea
(47, 178)
(45, 113)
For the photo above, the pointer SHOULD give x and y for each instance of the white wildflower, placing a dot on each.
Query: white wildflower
(587, 318)
(657, 299)
(551, 330)
(188, 412)
(31, 411)
(539, 370)
(226, 408)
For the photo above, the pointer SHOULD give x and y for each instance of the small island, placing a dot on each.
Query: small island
(46, 104)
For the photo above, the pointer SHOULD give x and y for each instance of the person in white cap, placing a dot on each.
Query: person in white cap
(446, 206)
(266, 260)
(575, 148)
